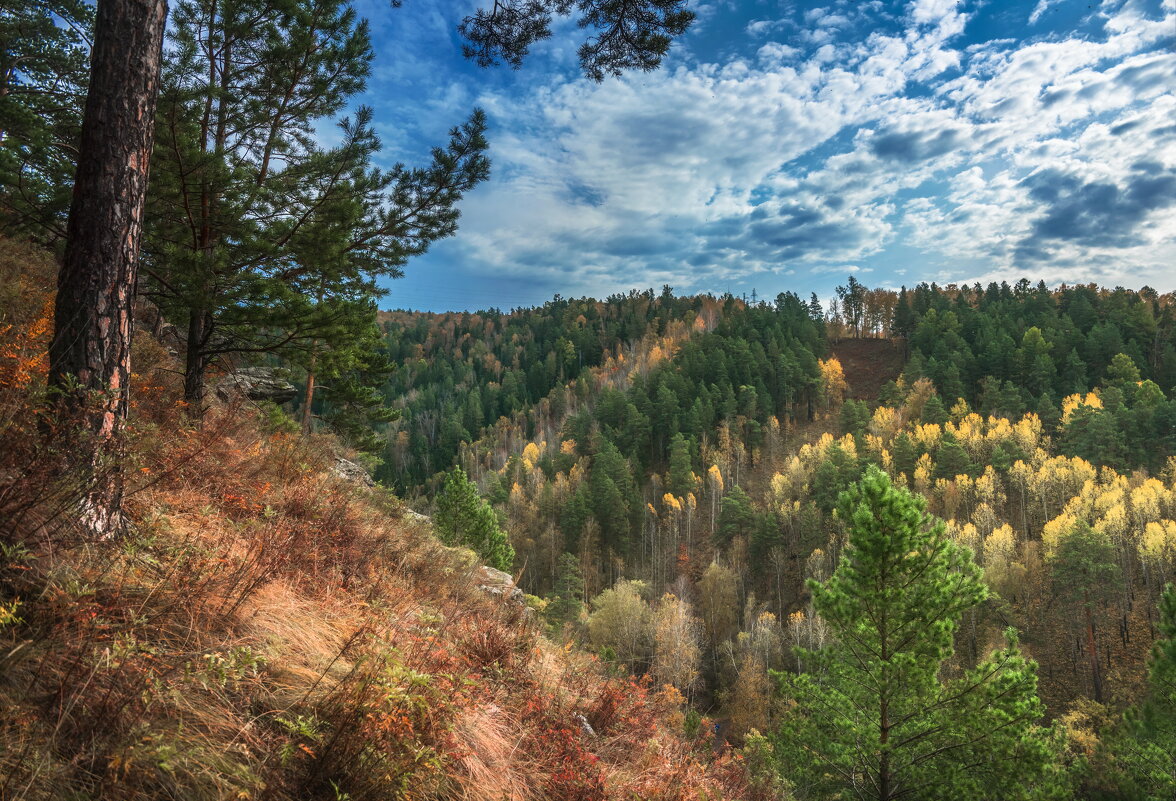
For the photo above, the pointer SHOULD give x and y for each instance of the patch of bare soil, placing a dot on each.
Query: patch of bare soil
(869, 363)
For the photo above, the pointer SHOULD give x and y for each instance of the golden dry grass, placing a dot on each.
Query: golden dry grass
(267, 630)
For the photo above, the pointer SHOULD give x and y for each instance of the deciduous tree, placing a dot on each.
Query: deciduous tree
(677, 650)
(622, 622)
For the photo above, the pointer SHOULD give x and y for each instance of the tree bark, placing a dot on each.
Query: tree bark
(195, 362)
(1092, 654)
(307, 416)
(90, 355)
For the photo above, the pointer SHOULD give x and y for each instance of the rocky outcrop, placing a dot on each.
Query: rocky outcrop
(416, 517)
(497, 583)
(350, 471)
(255, 384)
(148, 318)
(489, 580)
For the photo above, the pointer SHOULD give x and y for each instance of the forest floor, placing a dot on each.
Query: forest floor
(869, 363)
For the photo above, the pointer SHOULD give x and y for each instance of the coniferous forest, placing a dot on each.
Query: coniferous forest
(268, 532)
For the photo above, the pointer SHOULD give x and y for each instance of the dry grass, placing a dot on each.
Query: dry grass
(267, 630)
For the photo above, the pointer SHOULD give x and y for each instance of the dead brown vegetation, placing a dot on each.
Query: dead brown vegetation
(268, 630)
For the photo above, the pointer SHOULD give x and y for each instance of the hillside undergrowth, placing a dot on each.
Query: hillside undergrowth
(267, 629)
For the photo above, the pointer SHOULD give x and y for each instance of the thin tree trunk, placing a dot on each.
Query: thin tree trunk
(308, 401)
(90, 355)
(200, 320)
(1092, 652)
(195, 362)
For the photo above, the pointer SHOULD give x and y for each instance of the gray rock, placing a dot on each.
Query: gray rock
(149, 318)
(414, 516)
(500, 584)
(585, 726)
(349, 470)
(255, 384)
(169, 336)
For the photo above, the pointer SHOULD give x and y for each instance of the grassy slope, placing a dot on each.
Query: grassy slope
(267, 630)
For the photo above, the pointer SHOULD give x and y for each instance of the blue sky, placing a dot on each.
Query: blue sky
(786, 145)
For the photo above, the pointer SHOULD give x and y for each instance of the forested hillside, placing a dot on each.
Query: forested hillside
(270, 627)
(670, 496)
(268, 533)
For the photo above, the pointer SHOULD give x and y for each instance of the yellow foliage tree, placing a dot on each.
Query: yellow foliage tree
(834, 387)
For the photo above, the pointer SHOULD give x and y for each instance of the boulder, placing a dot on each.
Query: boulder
(255, 384)
(496, 582)
(350, 471)
(462, 559)
(413, 516)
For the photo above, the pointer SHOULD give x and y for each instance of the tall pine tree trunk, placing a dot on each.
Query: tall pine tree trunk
(90, 355)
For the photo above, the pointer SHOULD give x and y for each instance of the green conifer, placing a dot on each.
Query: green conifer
(464, 518)
(875, 720)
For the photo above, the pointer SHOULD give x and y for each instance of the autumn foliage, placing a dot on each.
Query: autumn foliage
(267, 629)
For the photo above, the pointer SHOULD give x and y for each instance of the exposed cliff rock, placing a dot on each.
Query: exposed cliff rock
(255, 384)
(349, 470)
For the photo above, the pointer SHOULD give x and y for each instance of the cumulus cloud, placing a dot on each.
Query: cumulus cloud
(1049, 155)
(1099, 213)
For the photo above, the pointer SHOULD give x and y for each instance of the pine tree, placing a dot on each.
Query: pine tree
(680, 478)
(934, 411)
(903, 321)
(464, 518)
(951, 459)
(612, 496)
(854, 417)
(1137, 761)
(261, 240)
(90, 355)
(815, 311)
(632, 35)
(1086, 570)
(43, 77)
(1150, 752)
(344, 371)
(736, 518)
(876, 721)
(566, 602)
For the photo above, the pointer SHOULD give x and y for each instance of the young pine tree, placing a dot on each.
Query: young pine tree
(1086, 573)
(464, 518)
(566, 602)
(875, 720)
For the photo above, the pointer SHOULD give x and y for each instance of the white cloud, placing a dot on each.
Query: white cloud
(705, 173)
(1040, 9)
